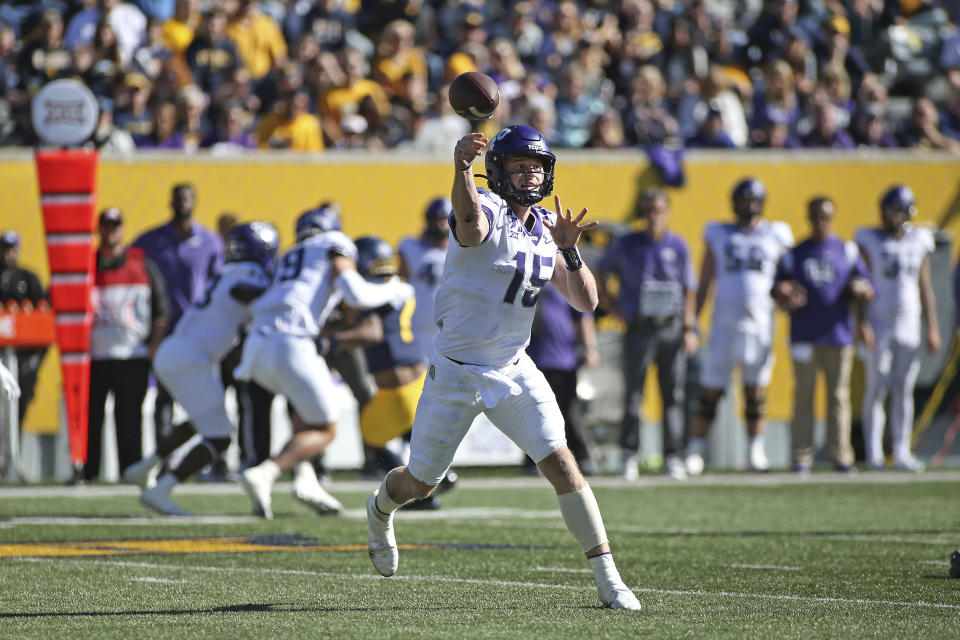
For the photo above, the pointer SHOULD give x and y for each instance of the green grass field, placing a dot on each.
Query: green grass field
(725, 556)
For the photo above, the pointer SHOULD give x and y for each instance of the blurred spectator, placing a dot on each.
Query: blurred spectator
(179, 30)
(778, 99)
(923, 129)
(719, 91)
(150, 58)
(258, 39)
(769, 36)
(836, 83)
(82, 25)
(506, 69)
(825, 131)
(212, 56)
(192, 108)
(133, 99)
(606, 132)
(231, 134)
(803, 63)
(950, 114)
(647, 121)
(346, 98)
(870, 128)
(43, 56)
(128, 23)
(576, 109)
(640, 45)
(686, 62)
(442, 127)
(21, 286)
(129, 320)
(838, 52)
(107, 64)
(526, 34)
(710, 134)
(163, 132)
(291, 125)
(108, 137)
(566, 32)
(397, 57)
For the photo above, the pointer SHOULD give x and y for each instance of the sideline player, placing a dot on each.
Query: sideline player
(421, 264)
(742, 258)
(280, 352)
(898, 255)
(506, 249)
(187, 360)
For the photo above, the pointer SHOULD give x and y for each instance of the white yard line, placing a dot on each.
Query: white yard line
(483, 484)
(763, 566)
(159, 580)
(918, 604)
(562, 570)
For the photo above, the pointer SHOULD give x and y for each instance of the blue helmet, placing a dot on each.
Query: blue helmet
(750, 189)
(439, 208)
(519, 140)
(899, 198)
(321, 219)
(375, 258)
(253, 242)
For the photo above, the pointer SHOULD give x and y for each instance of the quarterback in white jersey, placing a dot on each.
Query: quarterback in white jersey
(741, 258)
(898, 256)
(505, 250)
(280, 352)
(187, 362)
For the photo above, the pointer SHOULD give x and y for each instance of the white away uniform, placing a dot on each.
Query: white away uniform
(187, 362)
(280, 353)
(424, 270)
(741, 329)
(485, 307)
(893, 364)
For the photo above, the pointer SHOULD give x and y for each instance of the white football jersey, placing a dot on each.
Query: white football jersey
(489, 292)
(302, 294)
(895, 268)
(745, 262)
(213, 322)
(424, 270)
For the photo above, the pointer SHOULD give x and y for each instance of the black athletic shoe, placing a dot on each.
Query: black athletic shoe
(955, 564)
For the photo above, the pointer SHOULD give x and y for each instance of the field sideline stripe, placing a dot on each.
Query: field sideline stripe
(515, 583)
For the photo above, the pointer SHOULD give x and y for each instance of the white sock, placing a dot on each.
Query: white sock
(385, 503)
(582, 517)
(270, 468)
(756, 441)
(696, 446)
(604, 570)
(165, 483)
(153, 459)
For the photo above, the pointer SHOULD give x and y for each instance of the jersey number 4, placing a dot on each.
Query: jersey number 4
(532, 292)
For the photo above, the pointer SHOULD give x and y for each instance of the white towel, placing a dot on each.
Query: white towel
(492, 385)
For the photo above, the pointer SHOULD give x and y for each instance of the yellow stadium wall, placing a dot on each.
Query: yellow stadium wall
(385, 195)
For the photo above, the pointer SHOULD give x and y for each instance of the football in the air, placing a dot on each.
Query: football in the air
(474, 96)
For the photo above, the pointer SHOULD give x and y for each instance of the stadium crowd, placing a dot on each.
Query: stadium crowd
(310, 75)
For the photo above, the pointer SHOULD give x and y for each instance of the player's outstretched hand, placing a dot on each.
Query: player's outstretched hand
(568, 229)
(468, 148)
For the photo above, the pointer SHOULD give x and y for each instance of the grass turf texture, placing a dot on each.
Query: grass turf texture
(718, 559)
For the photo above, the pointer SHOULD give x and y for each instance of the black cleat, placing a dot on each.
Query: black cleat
(448, 482)
(955, 564)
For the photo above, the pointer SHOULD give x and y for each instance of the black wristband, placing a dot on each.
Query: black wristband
(571, 257)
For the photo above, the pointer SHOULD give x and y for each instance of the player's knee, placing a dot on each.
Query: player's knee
(755, 404)
(707, 404)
